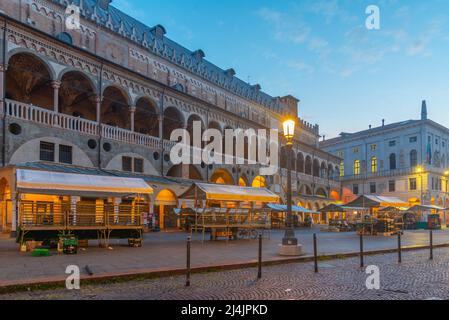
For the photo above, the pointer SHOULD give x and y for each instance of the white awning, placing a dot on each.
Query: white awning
(57, 183)
(221, 192)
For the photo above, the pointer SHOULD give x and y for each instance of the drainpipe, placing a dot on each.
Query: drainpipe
(4, 95)
(161, 124)
(100, 95)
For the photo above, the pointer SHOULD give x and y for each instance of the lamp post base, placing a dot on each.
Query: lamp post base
(290, 250)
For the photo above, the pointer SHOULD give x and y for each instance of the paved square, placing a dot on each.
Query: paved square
(416, 278)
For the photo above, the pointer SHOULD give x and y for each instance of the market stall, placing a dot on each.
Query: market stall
(378, 217)
(302, 217)
(226, 211)
(86, 206)
(429, 216)
(338, 217)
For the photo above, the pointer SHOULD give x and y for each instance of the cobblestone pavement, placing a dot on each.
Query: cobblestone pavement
(167, 251)
(416, 278)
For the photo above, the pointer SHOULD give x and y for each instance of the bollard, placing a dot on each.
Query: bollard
(259, 272)
(431, 244)
(315, 252)
(399, 248)
(362, 262)
(189, 241)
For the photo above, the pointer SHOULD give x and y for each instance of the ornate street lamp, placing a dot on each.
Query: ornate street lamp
(289, 245)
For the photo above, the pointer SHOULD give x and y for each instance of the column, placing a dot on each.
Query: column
(132, 111)
(56, 85)
(117, 202)
(161, 127)
(15, 216)
(185, 168)
(98, 108)
(2, 87)
(73, 208)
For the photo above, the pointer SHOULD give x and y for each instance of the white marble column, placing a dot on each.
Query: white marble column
(15, 215)
(161, 127)
(117, 202)
(98, 108)
(132, 112)
(73, 202)
(56, 85)
(2, 87)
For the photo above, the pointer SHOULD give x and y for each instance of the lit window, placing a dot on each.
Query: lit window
(373, 164)
(342, 169)
(357, 167)
(373, 147)
(413, 184)
(355, 150)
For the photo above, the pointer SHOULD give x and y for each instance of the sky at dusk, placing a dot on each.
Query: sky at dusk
(346, 76)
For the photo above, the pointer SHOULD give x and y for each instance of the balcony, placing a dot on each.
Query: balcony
(38, 115)
(380, 174)
(53, 119)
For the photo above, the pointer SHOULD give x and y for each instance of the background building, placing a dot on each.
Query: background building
(104, 99)
(408, 160)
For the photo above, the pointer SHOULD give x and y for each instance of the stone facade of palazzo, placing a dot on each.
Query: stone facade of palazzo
(107, 95)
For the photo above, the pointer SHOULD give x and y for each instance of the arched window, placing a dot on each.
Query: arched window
(373, 165)
(308, 167)
(393, 161)
(413, 158)
(357, 167)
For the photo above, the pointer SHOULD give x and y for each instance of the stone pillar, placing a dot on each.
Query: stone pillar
(15, 216)
(132, 112)
(98, 108)
(116, 202)
(73, 203)
(56, 85)
(161, 127)
(2, 88)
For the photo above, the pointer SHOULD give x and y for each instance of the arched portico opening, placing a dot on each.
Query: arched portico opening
(115, 110)
(222, 176)
(195, 120)
(177, 172)
(259, 182)
(166, 202)
(29, 80)
(77, 96)
(173, 119)
(243, 181)
(146, 119)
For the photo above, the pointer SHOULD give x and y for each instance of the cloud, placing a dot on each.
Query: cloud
(301, 66)
(286, 28)
(421, 45)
